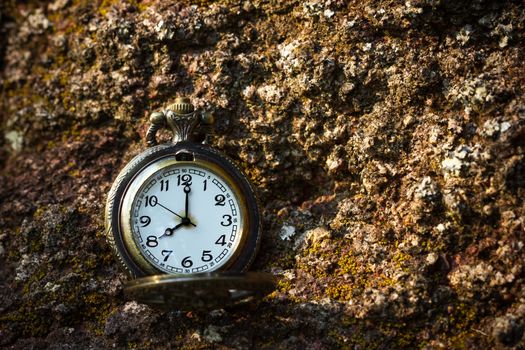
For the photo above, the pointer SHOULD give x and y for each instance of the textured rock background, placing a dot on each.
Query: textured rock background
(386, 138)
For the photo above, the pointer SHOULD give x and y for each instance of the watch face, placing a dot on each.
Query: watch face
(184, 217)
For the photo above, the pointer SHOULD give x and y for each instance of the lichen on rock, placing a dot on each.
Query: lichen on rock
(385, 140)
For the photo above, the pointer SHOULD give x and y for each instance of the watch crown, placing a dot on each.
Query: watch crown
(182, 105)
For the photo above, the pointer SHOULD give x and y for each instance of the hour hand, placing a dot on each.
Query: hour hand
(170, 231)
(177, 226)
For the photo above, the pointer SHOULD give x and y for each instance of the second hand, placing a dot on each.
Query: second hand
(171, 211)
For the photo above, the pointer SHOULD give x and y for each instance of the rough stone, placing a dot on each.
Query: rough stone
(388, 135)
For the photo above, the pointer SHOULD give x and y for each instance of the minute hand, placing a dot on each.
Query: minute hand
(186, 219)
(187, 190)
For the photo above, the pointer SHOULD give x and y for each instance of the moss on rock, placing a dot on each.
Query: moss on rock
(385, 139)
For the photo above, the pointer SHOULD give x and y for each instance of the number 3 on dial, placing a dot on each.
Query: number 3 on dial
(227, 220)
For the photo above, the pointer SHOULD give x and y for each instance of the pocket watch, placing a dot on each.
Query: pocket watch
(184, 221)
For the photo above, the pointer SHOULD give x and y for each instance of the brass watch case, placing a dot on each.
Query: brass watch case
(132, 177)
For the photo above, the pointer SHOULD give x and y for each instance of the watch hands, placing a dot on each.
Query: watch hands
(178, 225)
(186, 220)
(171, 211)
(170, 231)
(187, 190)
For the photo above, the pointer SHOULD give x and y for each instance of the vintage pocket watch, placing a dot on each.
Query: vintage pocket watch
(184, 221)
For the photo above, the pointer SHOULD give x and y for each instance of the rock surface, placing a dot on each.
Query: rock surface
(387, 140)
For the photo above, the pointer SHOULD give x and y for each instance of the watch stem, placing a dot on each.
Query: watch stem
(182, 105)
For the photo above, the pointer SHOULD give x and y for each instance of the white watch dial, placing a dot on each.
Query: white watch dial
(186, 219)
